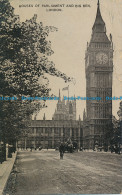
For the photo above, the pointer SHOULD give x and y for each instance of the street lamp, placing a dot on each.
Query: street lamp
(1, 152)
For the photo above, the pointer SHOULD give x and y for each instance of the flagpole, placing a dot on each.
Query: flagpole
(68, 92)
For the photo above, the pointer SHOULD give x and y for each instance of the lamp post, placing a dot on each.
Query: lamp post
(63, 133)
(1, 152)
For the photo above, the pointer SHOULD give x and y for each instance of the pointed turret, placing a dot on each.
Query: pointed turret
(44, 118)
(84, 114)
(99, 28)
(79, 118)
(35, 117)
(74, 98)
(63, 101)
(98, 3)
(59, 96)
(99, 25)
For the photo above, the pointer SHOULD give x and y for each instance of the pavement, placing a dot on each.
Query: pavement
(5, 170)
(42, 172)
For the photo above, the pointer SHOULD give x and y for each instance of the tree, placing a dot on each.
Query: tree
(115, 136)
(24, 52)
(120, 124)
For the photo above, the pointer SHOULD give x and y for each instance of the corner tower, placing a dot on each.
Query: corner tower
(98, 69)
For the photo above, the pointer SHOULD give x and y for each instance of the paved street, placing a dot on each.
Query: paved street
(42, 172)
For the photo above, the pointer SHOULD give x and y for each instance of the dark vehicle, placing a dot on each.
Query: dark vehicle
(70, 147)
(57, 148)
(40, 147)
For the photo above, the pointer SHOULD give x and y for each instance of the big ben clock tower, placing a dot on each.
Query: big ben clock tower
(98, 68)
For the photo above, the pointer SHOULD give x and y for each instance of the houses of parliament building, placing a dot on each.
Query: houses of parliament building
(97, 119)
(62, 127)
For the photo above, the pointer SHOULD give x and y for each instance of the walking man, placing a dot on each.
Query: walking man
(61, 150)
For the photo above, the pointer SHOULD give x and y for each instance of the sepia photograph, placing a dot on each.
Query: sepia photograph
(60, 97)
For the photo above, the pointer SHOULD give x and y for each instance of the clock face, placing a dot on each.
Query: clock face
(101, 58)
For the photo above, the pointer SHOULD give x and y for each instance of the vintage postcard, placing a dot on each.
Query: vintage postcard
(60, 97)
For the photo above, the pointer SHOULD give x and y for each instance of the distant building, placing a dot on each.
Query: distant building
(50, 133)
(66, 110)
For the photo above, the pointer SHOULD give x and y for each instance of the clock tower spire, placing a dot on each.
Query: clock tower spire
(98, 69)
(98, 3)
(99, 28)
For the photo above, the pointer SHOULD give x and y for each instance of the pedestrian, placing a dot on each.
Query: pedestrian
(61, 150)
(81, 149)
(61, 155)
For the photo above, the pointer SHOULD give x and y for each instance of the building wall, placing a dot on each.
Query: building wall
(50, 133)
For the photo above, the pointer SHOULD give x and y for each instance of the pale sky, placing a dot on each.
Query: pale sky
(69, 43)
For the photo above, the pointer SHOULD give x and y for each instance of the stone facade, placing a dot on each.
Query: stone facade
(98, 68)
(50, 133)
